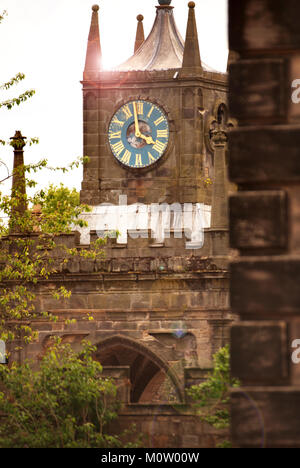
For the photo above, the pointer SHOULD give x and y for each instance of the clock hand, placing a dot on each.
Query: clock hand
(138, 134)
(148, 139)
(136, 121)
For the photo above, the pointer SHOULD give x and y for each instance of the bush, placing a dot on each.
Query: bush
(66, 403)
(211, 398)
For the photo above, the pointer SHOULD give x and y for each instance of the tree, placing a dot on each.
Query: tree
(35, 252)
(211, 398)
(66, 403)
(26, 258)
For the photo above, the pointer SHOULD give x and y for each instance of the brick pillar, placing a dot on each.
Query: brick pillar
(265, 222)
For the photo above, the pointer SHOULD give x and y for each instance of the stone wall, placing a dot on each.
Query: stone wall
(264, 221)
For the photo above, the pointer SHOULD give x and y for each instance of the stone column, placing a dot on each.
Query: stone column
(18, 191)
(265, 223)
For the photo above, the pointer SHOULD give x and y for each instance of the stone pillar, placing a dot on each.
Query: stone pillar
(18, 191)
(219, 214)
(265, 222)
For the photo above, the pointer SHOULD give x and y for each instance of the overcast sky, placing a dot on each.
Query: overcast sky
(46, 40)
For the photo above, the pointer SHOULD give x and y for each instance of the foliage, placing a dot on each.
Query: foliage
(25, 259)
(211, 398)
(66, 403)
(10, 103)
(35, 252)
(60, 209)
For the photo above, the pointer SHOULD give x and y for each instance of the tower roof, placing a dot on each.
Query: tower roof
(164, 47)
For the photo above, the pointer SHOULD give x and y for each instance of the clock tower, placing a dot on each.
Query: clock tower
(144, 121)
(155, 132)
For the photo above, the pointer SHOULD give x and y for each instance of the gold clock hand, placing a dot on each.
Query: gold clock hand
(136, 121)
(147, 139)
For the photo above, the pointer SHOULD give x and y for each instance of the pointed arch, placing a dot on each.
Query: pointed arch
(119, 350)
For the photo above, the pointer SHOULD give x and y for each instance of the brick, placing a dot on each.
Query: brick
(264, 90)
(258, 220)
(265, 417)
(266, 285)
(264, 154)
(263, 24)
(259, 353)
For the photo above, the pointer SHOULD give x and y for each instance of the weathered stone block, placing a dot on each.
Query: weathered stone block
(258, 220)
(259, 352)
(265, 417)
(261, 25)
(266, 286)
(263, 90)
(264, 154)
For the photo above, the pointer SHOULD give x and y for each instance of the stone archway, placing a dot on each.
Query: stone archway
(146, 370)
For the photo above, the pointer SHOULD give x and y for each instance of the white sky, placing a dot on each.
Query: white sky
(46, 40)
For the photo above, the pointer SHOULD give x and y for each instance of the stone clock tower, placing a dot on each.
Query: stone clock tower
(170, 89)
(155, 130)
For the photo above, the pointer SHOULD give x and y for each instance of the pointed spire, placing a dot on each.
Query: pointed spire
(191, 64)
(93, 61)
(18, 191)
(140, 36)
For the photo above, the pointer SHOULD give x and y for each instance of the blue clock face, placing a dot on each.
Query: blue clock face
(138, 134)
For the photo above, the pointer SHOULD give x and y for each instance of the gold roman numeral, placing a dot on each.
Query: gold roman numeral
(160, 120)
(127, 111)
(159, 146)
(114, 135)
(150, 112)
(118, 148)
(140, 108)
(151, 158)
(118, 122)
(138, 160)
(126, 157)
(162, 133)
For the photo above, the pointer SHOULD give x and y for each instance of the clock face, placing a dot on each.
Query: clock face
(138, 134)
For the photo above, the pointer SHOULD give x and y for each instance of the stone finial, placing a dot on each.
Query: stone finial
(18, 141)
(93, 61)
(191, 63)
(140, 36)
(164, 2)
